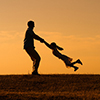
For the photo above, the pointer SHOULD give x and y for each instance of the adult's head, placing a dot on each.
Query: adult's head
(31, 24)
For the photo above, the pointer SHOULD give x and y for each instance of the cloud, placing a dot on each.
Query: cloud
(6, 36)
(72, 42)
(69, 42)
(57, 35)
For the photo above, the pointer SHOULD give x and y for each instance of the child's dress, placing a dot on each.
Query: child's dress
(67, 60)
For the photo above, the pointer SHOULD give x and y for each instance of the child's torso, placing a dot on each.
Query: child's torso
(57, 53)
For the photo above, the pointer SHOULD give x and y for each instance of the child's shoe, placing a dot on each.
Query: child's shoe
(76, 68)
(78, 61)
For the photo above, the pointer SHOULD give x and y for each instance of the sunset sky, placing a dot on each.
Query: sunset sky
(72, 24)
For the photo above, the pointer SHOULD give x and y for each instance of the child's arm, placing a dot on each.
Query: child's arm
(47, 44)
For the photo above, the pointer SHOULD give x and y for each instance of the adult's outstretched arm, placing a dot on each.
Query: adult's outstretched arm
(47, 44)
(38, 38)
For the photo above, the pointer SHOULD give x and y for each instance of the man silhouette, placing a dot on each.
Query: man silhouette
(29, 46)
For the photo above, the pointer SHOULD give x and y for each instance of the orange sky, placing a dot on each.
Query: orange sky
(72, 24)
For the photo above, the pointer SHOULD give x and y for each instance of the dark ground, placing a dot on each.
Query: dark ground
(50, 87)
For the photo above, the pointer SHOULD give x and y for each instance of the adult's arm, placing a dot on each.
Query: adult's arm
(47, 44)
(38, 38)
(31, 32)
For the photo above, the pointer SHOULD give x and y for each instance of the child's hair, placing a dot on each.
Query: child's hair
(54, 44)
(30, 22)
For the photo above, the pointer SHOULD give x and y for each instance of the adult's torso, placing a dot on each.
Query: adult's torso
(29, 39)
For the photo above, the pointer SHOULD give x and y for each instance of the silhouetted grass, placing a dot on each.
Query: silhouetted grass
(49, 87)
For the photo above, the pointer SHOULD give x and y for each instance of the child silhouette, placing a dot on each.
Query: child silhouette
(67, 60)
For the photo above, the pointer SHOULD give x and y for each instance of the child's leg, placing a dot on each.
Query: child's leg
(68, 60)
(71, 65)
(75, 68)
(78, 61)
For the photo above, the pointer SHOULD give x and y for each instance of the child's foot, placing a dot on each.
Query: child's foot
(78, 61)
(76, 68)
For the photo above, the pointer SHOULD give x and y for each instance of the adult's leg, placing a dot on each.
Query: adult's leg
(35, 58)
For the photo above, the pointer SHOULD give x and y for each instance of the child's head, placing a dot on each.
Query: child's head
(31, 24)
(53, 45)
